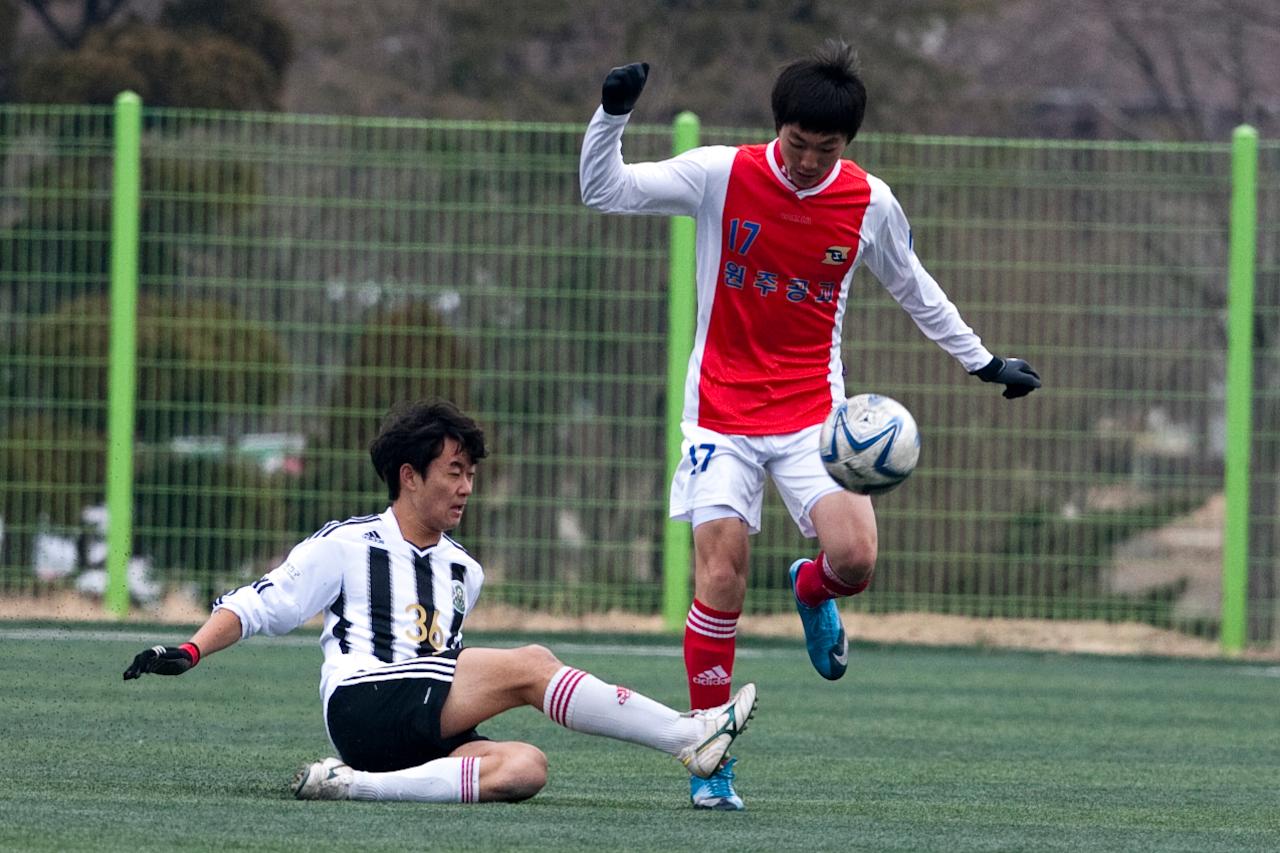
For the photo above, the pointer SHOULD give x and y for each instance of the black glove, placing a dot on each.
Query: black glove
(622, 88)
(164, 660)
(1016, 375)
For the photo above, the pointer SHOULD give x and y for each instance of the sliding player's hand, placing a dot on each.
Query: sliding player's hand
(1017, 377)
(622, 88)
(164, 660)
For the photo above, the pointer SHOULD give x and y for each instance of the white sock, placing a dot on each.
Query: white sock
(583, 703)
(445, 780)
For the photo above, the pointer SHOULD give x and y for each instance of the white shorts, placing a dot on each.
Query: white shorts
(718, 470)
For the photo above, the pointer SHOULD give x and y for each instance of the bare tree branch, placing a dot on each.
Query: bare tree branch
(109, 12)
(1192, 104)
(41, 8)
(1246, 97)
(1115, 117)
(96, 16)
(1262, 14)
(1145, 62)
(93, 14)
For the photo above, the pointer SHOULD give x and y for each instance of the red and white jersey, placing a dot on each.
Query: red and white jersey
(774, 267)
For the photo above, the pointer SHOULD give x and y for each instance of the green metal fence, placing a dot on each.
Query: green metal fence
(297, 275)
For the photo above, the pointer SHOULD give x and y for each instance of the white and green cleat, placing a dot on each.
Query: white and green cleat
(721, 726)
(329, 779)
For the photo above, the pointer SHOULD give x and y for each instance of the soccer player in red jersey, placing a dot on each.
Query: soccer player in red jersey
(781, 228)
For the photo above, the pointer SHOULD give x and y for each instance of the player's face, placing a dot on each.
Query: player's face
(808, 155)
(439, 498)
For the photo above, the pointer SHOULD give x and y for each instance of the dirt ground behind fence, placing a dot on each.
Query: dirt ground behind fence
(920, 629)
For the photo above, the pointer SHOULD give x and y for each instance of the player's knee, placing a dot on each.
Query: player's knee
(534, 665)
(535, 656)
(721, 579)
(855, 561)
(721, 572)
(522, 773)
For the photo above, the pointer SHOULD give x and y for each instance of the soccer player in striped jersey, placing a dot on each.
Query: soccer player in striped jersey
(781, 228)
(402, 695)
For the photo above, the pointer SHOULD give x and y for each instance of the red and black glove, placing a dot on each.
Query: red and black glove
(164, 660)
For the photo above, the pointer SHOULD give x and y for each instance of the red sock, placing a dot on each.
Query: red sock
(709, 639)
(816, 582)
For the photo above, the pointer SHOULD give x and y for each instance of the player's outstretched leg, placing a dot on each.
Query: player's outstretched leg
(823, 632)
(699, 739)
(581, 702)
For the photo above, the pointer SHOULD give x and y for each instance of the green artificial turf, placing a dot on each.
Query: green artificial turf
(914, 750)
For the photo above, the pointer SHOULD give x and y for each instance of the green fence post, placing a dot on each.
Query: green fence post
(1235, 534)
(682, 307)
(121, 376)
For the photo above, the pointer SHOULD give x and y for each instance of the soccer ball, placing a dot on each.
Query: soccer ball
(870, 444)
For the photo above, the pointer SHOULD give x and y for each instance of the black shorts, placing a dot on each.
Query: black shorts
(390, 720)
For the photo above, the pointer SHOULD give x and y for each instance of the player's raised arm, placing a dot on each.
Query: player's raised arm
(220, 630)
(673, 187)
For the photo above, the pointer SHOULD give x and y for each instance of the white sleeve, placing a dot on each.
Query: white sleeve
(673, 187)
(288, 595)
(475, 581)
(891, 257)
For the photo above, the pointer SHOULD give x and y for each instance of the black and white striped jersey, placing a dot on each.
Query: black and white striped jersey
(385, 601)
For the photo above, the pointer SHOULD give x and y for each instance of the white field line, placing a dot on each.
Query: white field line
(311, 641)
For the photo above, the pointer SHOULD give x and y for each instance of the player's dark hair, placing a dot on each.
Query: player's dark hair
(821, 93)
(415, 433)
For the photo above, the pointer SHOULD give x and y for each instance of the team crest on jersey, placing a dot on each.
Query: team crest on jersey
(837, 255)
(459, 597)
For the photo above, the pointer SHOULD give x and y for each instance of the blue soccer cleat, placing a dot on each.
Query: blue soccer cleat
(823, 633)
(716, 791)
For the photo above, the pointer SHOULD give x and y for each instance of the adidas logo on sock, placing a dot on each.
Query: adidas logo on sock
(715, 675)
